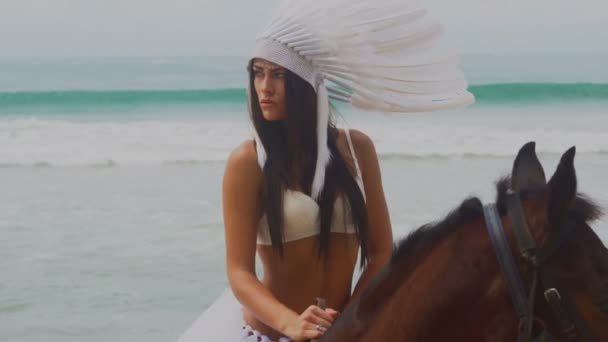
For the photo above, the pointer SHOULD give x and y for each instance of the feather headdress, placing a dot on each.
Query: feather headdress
(380, 55)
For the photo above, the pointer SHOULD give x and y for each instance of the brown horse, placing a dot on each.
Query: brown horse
(444, 282)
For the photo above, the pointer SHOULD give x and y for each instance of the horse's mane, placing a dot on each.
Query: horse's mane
(471, 209)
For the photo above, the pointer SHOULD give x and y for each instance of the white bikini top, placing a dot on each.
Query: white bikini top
(301, 213)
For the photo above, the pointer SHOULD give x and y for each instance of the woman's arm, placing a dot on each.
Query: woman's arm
(380, 236)
(241, 204)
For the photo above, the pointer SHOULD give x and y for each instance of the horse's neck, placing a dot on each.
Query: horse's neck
(455, 285)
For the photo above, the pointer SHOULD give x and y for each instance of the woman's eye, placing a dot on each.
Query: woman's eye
(279, 75)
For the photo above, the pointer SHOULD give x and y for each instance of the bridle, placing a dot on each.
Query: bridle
(571, 325)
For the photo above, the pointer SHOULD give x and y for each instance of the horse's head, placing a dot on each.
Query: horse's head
(569, 259)
(444, 281)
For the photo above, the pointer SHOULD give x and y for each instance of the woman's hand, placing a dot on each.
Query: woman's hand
(311, 323)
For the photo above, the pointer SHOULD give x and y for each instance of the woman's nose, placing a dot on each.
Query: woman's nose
(267, 85)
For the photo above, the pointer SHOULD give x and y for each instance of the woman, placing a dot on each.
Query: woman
(304, 195)
(318, 254)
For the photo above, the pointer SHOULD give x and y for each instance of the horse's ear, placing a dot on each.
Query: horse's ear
(527, 171)
(562, 186)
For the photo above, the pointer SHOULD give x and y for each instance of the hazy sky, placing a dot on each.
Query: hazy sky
(228, 27)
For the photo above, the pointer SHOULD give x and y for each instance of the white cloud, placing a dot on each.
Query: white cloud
(524, 25)
(227, 27)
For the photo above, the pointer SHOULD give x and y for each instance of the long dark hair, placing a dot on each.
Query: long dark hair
(291, 149)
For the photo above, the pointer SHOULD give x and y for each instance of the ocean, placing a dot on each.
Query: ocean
(111, 168)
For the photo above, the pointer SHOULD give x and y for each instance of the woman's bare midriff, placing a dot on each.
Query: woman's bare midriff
(298, 278)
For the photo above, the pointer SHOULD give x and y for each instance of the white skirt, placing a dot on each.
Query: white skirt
(223, 321)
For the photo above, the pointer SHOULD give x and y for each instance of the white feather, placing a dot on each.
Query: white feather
(323, 154)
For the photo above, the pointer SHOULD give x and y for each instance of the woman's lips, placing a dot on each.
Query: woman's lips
(266, 103)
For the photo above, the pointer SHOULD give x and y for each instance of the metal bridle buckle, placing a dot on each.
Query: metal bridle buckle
(554, 299)
(552, 295)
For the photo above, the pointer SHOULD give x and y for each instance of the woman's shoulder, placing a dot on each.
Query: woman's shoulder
(359, 138)
(243, 159)
(364, 149)
(362, 143)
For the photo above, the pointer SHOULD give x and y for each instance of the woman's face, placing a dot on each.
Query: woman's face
(269, 83)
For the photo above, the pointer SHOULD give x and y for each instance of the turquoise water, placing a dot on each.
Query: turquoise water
(501, 93)
(110, 171)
